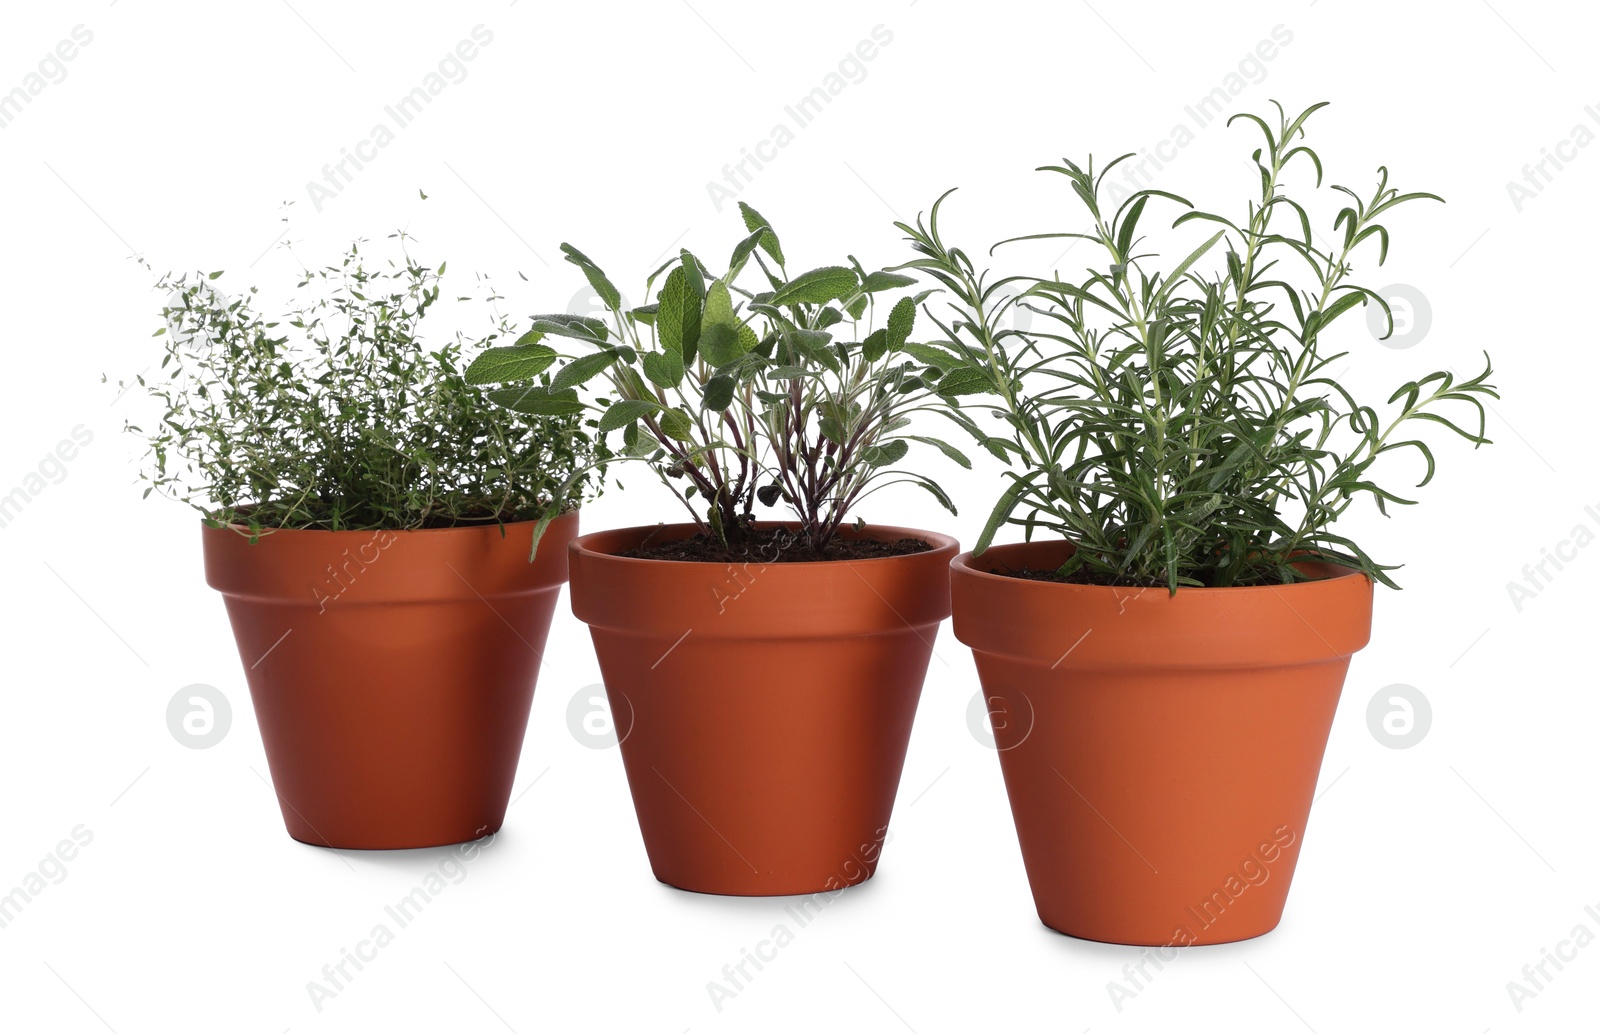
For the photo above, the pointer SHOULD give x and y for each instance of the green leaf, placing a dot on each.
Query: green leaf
(875, 345)
(1176, 275)
(901, 319)
(720, 342)
(671, 312)
(597, 279)
(818, 287)
(675, 423)
(1002, 511)
(664, 369)
(965, 381)
(537, 401)
(885, 454)
(933, 356)
(582, 369)
(883, 280)
(753, 221)
(945, 447)
(626, 412)
(510, 363)
(718, 393)
(583, 328)
(741, 252)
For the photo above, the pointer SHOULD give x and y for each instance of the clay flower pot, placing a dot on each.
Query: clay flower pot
(391, 672)
(763, 710)
(1160, 752)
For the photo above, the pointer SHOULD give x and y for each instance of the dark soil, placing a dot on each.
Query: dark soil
(1082, 577)
(1039, 574)
(772, 546)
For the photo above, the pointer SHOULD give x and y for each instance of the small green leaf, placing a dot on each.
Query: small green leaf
(675, 423)
(583, 328)
(875, 345)
(672, 310)
(597, 279)
(753, 221)
(883, 280)
(626, 413)
(933, 356)
(965, 381)
(720, 340)
(510, 363)
(817, 287)
(885, 454)
(945, 447)
(665, 369)
(718, 393)
(581, 369)
(537, 401)
(901, 319)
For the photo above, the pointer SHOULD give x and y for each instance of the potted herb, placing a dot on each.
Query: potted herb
(763, 675)
(1168, 647)
(368, 518)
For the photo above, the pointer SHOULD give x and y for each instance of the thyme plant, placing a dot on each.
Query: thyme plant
(775, 392)
(339, 416)
(1185, 426)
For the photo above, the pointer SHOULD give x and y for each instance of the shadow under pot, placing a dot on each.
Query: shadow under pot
(763, 710)
(391, 671)
(1160, 752)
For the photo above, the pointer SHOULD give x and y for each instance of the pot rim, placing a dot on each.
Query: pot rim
(937, 542)
(962, 565)
(206, 526)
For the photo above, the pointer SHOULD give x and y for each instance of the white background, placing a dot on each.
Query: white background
(1430, 876)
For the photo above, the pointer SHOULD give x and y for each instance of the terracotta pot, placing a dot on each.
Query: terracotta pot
(1160, 752)
(391, 672)
(763, 710)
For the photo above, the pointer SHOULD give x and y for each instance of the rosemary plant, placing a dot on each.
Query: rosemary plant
(338, 416)
(1185, 428)
(777, 393)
